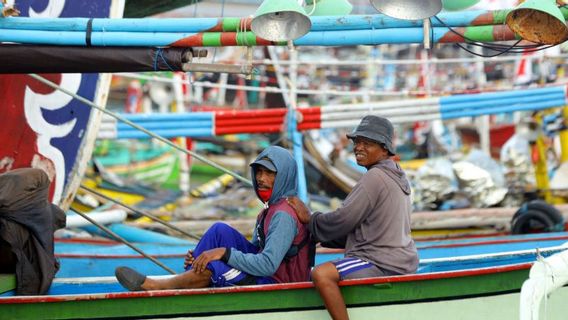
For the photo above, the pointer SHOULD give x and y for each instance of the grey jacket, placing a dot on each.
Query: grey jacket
(374, 219)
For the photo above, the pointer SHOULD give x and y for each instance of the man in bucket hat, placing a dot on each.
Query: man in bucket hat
(373, 224)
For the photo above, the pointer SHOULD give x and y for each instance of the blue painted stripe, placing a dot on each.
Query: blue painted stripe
(166, 133)
(298, 148)
(431, 253)
(361, 37)
(380, 21)
(474, 103)
(199, 124)
(168, 125)
(137, 38)
(98, 38)
(519, 237)
(44, 37)
(315, 38)
(321, 23)
(110, 25)
(497, 95)
(504, 109)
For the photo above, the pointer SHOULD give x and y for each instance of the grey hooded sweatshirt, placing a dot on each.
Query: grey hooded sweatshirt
(374, 219)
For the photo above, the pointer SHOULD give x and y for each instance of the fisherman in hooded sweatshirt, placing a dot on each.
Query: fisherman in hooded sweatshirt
(223, 257)
(373, 223)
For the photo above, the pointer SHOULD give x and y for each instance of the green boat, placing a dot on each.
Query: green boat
(467, 289)
(491, 293)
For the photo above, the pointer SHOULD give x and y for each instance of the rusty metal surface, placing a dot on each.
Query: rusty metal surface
(537, 27)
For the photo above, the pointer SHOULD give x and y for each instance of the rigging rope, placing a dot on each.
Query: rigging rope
(146, 214)
(138, 127)
(119, 238)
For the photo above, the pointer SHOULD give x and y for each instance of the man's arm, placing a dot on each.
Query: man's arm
(302, 211)
(304, 215)
(279, 237)
(337, 224)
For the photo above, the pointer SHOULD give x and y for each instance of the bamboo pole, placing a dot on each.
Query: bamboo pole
(127, 25)
(240, 24)
(223, 39)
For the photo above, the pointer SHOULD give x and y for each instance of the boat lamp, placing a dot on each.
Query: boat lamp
(280, 20)
(456, 5)
(328, 7)
(408, 9)
(538, 21)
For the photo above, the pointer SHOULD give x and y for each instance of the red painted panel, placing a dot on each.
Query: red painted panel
(219, 123)
(249, 114)
(19, 142)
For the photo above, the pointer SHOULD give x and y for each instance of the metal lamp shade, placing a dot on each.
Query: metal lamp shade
(408, 9)
(539, 21)
(456, 5)
(329, 8)
(280, 20)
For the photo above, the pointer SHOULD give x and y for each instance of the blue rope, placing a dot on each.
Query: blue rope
(156, 60)
(165, 61)
(160, 54)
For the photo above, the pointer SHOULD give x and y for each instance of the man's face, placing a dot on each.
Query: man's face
(368, 152)
(264, 178)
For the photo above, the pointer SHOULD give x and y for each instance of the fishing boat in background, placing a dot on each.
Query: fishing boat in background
(140, 161)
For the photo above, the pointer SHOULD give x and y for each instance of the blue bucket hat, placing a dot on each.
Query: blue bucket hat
(375, 128)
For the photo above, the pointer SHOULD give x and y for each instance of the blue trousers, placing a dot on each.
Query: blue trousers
(223, 275)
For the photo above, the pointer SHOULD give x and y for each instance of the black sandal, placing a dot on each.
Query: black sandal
(130, 278)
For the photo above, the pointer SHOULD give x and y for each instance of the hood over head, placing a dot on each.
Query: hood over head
(286, 182)
(395, 172)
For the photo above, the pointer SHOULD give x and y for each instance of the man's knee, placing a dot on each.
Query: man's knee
(219, 227)
(317, 275)
(325, 273)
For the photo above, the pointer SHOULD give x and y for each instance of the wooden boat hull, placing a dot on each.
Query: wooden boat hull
(45, 128)
(488, 293)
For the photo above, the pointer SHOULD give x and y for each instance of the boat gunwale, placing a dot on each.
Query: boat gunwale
(266, 288)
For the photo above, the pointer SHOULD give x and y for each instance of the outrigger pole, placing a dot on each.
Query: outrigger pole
(454, 27)
(228, 24)
(489, 33)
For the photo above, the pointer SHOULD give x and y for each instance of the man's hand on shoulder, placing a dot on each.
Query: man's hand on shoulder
(302, 211)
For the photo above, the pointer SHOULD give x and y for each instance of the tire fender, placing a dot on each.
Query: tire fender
(537, 216)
